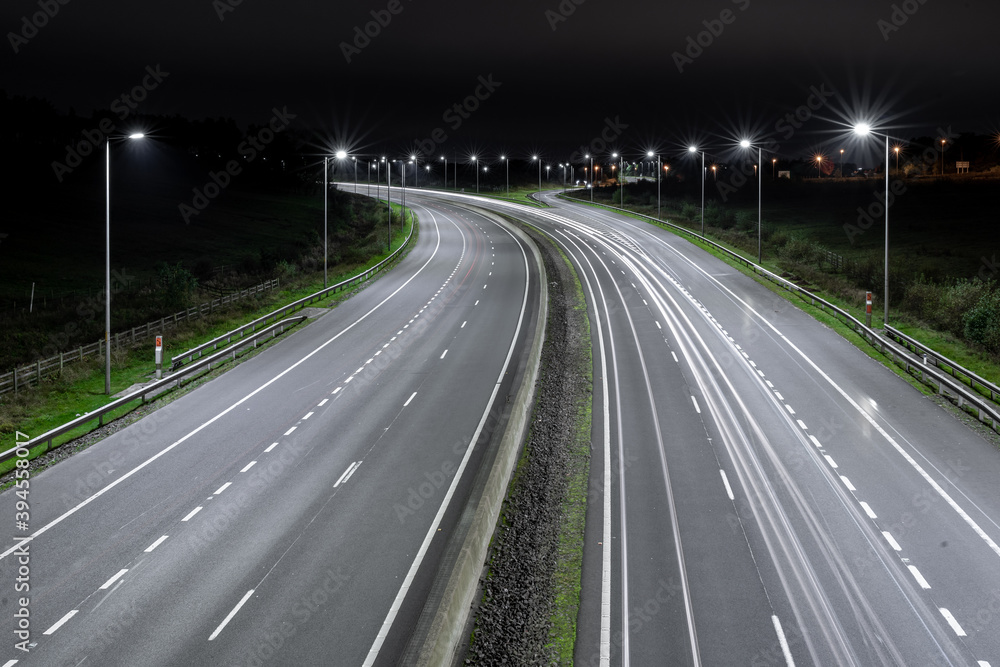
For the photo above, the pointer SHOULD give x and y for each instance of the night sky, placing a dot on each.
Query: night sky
(558, 74)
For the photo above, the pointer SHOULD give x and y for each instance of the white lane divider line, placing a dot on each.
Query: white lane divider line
(868, 510)
(778, 394)
(347, 473)
(696, 408)
(289, 431)
(323, 402)
(829, 459)
(919, 577)
(463, 324)
(336, 391)
(658, 326)
(783, 642)
(348, 379)
(815, 441)
(444, 353)
(952, 622)
(228, 618)
(11, 663)
(891, 540)
(155, 544)
(476, 303)
(802, 425)
(192, 513)
(981, 663)
(60, 622)
(248, 466)
(222, 488)
(789, 408)
(270, 447)
(409, 399)
(847, 483)
(110, 582)
(674, 356)
(307, 416)
(729, 489)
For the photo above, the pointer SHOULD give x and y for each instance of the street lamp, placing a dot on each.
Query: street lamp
(416, 171)
(592, 177)
(863, 129)
(694, 149)
(774, 165)
(503, 158)
(841, 162)
(746, 144)
(621, 179)
(445, 185)
(659, 173)
(535, 157)
(476, 161)
(107, 260)
(819, 161)
(896, 149)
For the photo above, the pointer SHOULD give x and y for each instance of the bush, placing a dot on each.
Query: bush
(981, 324)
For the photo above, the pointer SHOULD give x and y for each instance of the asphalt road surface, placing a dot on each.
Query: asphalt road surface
(762, 491)
(292, 510)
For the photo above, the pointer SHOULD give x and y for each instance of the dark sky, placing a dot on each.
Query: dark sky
(563, 68)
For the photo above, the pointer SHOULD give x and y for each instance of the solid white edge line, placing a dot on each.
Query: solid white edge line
(110, 582)
(229, 617)
(222, 488)
(192, 513)
(252, 463)
(729, 489)
(432, 530)
(919, 577)
(156, 544)
(60, 622)
(952, 622)
(783, 642)
(409, 399)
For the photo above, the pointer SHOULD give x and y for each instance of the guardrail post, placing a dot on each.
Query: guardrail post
(15, 379)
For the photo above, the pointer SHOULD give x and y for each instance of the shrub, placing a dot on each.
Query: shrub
(981, 324)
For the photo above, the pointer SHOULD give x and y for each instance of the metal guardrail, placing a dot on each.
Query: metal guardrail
(945, 364)
(177, 361)
(208, 361)
(967, 398)
(140, 394)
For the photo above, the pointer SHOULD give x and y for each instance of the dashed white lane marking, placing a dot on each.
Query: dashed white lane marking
(11, 663)
(815, 441)
(729, 489)
(780, 397)
(868, 510)
(783, 642)
(111, 582)
(952, 622)
(983, 663)
(248, 466)
(60, 622)
(222, 488)
(336, 390)
(155, 544)
(229, 617)
(270, 447)
(695, 401)
(409, 399)
(347, 473)
(919, 577)
(658, 326)
(789, 408)
(444, 353)
(307, 416)
(829, 459)
(322, 403)
(192, 513)
(802, 425)
(289, 431)
(891, 540)
(476, 303)
(847, 483)
(674, 356)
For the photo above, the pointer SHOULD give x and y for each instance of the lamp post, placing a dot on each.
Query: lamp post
(942, 156)
(896, 149)
(774, 165)
(107, 260)
(591, 177)
(475, 160)
(340, 155)
(445, 184)
(535, 157)
(841, 162)
(746, 144)
(863, 129)
(694, 149)
(326, 181)
(416, 171)
(819, 161)
(621, 179)
(659, 173)
(355, 159)
(503, 158)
